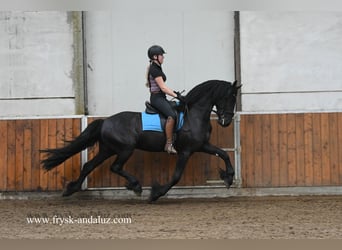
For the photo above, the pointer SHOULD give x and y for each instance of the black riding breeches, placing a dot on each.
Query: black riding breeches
(160, 102)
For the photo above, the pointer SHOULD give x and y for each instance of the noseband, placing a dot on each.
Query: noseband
(229, 113)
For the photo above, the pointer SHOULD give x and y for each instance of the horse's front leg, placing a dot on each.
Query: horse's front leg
(160, 190)
(228, 175)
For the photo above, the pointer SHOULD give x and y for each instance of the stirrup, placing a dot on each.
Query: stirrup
(169, 148)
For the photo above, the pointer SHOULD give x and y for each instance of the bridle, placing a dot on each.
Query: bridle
(223, 115)
(228, 113)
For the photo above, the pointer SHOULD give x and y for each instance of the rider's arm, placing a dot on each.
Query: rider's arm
(159, 80)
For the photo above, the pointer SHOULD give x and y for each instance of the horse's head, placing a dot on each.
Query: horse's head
(221, 94)
(226, 105)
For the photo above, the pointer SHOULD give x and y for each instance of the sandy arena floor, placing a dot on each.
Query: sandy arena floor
(228, 218)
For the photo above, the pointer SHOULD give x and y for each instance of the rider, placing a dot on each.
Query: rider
(158, 89)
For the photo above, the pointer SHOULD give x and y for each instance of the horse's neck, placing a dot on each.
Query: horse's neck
(200, 111)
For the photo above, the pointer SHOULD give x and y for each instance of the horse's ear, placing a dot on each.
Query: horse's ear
(235, 84)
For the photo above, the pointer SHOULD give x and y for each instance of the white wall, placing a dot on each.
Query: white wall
(199, 46)
(36, 63)
(291, 61)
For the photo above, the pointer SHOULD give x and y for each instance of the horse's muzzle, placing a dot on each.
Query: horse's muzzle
(225, 121)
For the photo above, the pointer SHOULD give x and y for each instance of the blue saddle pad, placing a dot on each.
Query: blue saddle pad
(151, 122)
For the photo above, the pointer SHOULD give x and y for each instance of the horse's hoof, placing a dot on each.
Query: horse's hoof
(152, 199)
(227, 178)
(226, 183)
(135, 187)
(70, 189)
(155, 192)
(138, 193)
(67, 193)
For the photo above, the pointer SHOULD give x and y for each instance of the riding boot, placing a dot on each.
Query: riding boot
(170, 123)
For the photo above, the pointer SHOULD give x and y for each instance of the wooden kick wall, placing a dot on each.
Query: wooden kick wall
(20, 141)
(286, 150)
(277, 150)
(20, 170)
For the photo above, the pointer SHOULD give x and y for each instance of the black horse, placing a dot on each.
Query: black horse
(121, 133)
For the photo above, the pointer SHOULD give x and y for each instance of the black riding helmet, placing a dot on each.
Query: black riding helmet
(155, 50)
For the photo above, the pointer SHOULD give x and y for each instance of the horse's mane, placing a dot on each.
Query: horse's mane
(214, 89)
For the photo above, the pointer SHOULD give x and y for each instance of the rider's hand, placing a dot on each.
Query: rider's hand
(180, 97)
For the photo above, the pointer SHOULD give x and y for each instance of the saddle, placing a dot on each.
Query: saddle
(153, 111)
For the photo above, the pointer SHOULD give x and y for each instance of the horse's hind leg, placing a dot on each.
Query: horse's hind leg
(75, 186)
(117, 167)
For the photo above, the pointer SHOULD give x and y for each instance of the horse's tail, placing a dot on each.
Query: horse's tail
(86, 139)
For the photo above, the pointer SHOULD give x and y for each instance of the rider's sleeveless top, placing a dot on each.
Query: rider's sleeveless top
(154, 72)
